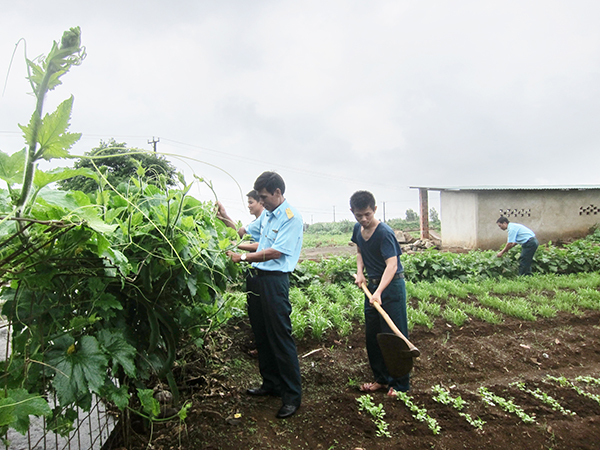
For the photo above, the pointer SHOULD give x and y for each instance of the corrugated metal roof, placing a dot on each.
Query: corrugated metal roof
(575, 187)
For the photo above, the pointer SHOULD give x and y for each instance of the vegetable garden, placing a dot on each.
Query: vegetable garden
(504, 360)
(126, 294)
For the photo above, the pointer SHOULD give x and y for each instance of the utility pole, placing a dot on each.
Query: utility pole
(333, 213)
(383, 212)
(154, 141)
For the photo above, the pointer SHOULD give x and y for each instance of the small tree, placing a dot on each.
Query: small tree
(411, 216)
(118, 164)
(433, 215)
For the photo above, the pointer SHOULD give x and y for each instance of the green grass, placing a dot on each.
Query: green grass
(455, 316)
(477, 312)
(320, 306)
(325, 240)
(430, 308)
(418, 317)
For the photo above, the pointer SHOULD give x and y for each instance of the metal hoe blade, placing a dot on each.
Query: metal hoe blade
(396, 354)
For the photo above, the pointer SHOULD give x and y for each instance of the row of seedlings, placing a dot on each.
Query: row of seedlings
(443, 396)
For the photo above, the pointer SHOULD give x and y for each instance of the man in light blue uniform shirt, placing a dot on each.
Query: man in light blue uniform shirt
(279, 234)
(519, 234)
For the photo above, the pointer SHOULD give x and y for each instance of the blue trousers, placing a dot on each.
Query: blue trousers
(269, 311)
(528, 249)
(394, 303)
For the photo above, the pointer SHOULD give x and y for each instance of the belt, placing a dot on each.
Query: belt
(266, 273)
(378, 280)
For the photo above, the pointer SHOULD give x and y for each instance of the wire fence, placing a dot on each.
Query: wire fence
(91, 432)
(91, 429)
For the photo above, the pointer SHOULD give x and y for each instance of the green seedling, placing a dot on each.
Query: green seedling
(353, 383)
(365, 403)
(507, 405)
(562, 381)
(443, 396)
(588, 380)
(544, 398)
(418, 413)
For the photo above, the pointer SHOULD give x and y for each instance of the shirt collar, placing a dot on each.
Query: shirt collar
(277, 211)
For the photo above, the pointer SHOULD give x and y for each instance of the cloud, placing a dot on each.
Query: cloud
(336, 95)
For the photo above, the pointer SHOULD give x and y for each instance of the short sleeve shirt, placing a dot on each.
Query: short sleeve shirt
(381, 246)
(281, 230)
(518, 233)
(253, 228)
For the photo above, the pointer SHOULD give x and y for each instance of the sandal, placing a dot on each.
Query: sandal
(371, 387)
(392, 392)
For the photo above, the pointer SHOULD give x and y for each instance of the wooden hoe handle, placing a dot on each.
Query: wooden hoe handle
(414, 350)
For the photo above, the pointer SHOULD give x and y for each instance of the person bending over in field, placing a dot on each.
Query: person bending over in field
(378, 252)
(519, 234)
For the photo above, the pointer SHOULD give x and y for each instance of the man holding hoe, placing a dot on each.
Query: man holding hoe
(379, 253)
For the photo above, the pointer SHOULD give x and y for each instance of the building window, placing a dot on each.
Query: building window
(524, 212)
(588, 210)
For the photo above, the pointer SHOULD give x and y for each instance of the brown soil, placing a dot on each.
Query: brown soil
(462, 359)
(317, 253)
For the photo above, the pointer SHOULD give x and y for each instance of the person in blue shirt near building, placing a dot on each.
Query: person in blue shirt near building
(278, 232)
(378, 252)
(519, 234)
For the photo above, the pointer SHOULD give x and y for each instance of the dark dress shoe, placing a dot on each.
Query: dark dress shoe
(287, 411)
(260, 392)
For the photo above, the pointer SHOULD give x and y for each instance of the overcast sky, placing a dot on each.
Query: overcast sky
(334, 95)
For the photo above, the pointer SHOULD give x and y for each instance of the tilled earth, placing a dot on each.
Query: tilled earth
(460, 359)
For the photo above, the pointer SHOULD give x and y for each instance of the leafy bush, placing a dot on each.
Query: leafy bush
(99, 289)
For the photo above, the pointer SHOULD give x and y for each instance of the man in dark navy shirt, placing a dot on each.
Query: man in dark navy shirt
(379, 253)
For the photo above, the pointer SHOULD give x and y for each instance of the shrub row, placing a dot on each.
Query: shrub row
(580, 256)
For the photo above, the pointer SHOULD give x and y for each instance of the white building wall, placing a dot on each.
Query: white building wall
(553, 215)
(458, 214)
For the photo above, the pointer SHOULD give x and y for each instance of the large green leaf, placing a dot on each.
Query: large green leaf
(118, 260)
(68, 201)
(12, 166)
(80, 367)
(42, 178)
(149, 404)
(121, 352)
(118, 395)
(37, 73)
(94, 221)
(7, 411)
(28, 130)
(26, 405)
(53, 137)
(77, 206)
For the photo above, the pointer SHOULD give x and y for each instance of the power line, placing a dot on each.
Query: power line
(250, 160)
(282, 166)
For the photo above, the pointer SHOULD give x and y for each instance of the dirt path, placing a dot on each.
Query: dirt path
(317, 253)
(477, 354)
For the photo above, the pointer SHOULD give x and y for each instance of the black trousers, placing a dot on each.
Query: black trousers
(269, 311)
(394, 303)
(526, 259)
